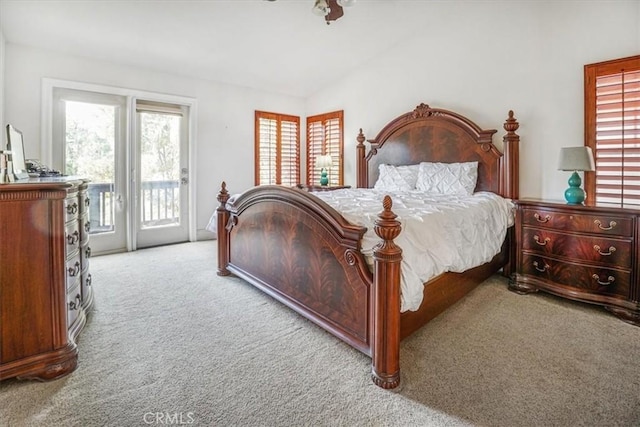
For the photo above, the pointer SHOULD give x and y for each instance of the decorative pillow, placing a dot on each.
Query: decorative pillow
(397, 178)
(448, 178)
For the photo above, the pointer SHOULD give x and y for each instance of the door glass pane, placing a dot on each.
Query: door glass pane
(90, 152)
(159, 169)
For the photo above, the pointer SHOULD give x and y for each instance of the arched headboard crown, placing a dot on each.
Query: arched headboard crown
(435, 135)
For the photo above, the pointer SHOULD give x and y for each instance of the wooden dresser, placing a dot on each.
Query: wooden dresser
(585, 253)
(45, 284)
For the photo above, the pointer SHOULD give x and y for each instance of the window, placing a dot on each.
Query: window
(325, 137)
(277, 149)
(612, 129)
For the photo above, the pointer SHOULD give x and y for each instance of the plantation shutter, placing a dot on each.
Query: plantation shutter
(289, 152)
(277, 148)
(612, 121)
(325, 136)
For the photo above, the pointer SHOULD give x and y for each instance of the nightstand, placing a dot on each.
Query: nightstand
(321, 187)
(584, 253)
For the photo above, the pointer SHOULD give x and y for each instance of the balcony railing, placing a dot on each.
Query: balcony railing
(159, 204)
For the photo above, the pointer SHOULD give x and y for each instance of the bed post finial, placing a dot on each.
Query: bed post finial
(361, 163)
(511, 158)
(386, 330)
(223, 233)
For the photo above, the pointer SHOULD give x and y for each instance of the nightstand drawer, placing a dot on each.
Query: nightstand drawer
(601, 224)
(595, 280)
(613, 252)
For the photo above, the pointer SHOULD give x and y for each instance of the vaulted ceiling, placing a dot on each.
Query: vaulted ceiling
(280, 46)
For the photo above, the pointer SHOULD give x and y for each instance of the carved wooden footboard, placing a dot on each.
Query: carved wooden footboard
(299, 250)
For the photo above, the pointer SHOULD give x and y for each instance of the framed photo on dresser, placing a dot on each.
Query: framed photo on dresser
(16, 147)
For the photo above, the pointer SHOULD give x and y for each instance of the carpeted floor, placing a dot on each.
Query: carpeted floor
(169, 342)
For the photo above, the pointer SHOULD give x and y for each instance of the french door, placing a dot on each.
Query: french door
(90, 140)
(162, 173)
(135, 153)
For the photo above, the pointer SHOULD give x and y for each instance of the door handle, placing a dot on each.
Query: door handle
(184, 180)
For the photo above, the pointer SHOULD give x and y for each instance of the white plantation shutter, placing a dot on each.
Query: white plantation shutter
(612, 120)
(325, 136)
(277, 148)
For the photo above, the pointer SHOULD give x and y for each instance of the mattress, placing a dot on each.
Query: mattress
(440, 233)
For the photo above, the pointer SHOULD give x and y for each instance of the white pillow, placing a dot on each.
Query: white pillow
(397, 178)
(448, 178)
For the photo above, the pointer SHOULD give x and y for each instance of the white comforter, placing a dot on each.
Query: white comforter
(440, 233)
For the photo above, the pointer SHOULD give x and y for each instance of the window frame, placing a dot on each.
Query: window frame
(335, 148)
(279, 118)
(591, 73)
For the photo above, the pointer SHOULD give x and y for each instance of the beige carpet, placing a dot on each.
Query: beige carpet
(169, 342)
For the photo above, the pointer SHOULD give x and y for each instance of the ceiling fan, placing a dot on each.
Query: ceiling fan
(330, 9)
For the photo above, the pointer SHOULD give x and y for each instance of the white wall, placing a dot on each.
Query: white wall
(2, 101)
(483, 59)
(224, 139)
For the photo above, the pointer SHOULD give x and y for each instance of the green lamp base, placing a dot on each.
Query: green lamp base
(574, 194)
(323, 177)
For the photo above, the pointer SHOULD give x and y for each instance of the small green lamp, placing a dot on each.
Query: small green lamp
(323, 162)
(575, 159)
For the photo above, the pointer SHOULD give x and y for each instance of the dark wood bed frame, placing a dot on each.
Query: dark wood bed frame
(296, 248)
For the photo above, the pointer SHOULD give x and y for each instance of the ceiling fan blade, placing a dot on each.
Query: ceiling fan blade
(336, 11)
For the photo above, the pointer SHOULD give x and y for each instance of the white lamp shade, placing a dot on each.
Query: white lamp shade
(324, 161)
(576, 159)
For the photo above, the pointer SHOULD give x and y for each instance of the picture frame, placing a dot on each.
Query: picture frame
(15, 144)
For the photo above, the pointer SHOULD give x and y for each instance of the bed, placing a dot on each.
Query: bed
(298, 249)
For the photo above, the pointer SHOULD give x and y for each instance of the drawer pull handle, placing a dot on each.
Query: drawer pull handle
(87, 226)
(540, 219)
(73, 238)
(87, 201)
(612, 224)
(612, 249)
(87, 282)
(541, 243)
(72, 209)
(73, 271)
(543, 269)
(609, 281)
(75, 304)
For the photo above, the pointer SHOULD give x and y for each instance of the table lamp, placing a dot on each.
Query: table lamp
(575, 159)
(323, 162)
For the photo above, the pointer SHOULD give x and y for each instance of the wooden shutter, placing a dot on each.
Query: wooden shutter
(277, 149)
(325, 136)
(612, 130)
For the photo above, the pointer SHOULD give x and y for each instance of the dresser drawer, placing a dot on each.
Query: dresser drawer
(72, 237)
(85, 202)
(85, 228)
(71, 207)
(608, 251)
(586, 223)
(74, 305)
(73, 270)
(582, 278)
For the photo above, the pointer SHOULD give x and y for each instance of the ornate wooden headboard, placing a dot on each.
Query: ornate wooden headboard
(434, 135)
